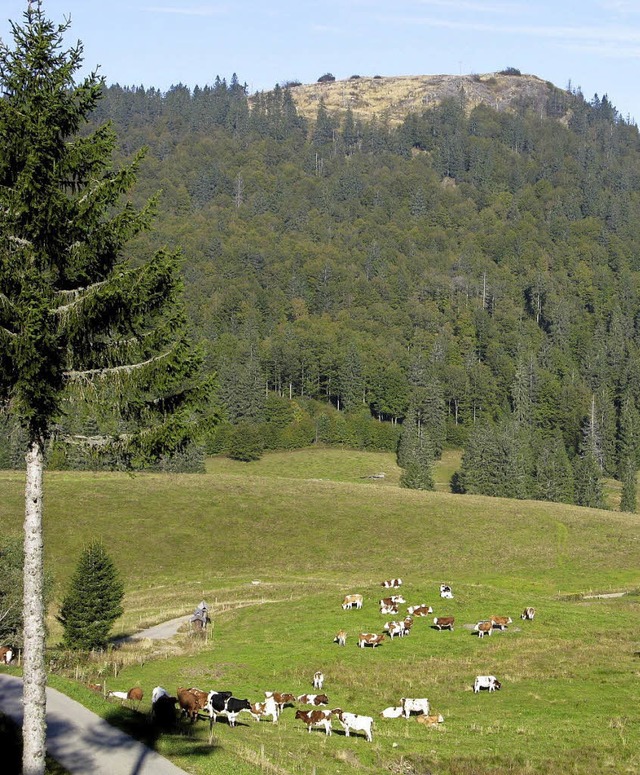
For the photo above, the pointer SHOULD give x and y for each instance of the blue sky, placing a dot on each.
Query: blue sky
(592, 44)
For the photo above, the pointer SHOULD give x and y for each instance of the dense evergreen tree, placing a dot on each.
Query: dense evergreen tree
(93, 601)
(76, 320)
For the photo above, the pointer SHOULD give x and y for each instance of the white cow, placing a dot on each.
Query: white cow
(489, 682)
(351, 721)
(392, 712)
(318, 680)
(412, 705)
(445, 591)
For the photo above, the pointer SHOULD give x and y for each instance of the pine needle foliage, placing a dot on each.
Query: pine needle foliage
(93, 601)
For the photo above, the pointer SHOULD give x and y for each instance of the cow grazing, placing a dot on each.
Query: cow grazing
(316, 718)
(395, 628)
(430, 721)
(318, 680)
(482, 628)
(313, 699)
(263, 709)
(489, 682)
(408, 624)
(392, 608)
(230, 707)
(444, 622)
(352, 601)
(393, 600)
(163, 707)
(6, 654)
(370, 639)
(528, 613)
(341, 638)
(412, 705)
(392, 583)
(281, 699)
(351, 721)
(445, 591)
(192, 701)
(393, 712)
(419, 610)
(501, 621)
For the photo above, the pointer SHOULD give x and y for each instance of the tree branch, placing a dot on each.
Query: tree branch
(77, 376)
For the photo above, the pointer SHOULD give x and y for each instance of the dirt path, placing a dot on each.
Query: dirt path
(81, 741)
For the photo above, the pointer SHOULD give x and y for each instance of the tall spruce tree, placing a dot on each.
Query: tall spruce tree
(76, 318)
(93, 601)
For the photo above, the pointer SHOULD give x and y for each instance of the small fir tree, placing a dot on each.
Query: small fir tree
(93, 602)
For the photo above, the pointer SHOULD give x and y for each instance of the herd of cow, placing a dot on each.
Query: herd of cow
(193, 701)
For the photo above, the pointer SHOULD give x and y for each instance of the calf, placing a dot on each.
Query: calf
(281, 699)
(6, 654)
(393, 712)
(444, 622)
(263, 709)
(341, 638)
(408, 624)
(482, 628)
(412, 705)
(393, 600)
(528, 613)
(489, 682)
(392, 583)
(135, 694)
(370, 639)
(318, 680)
(352, 601)
(351, 721)
(430, 721)
(316, 718)
(501, 621)
(445, 591)
(419, 610)
(313, 699)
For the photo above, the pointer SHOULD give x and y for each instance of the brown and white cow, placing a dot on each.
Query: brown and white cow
(263, 709)
(420, 610)
(6, 654)
(352, 601)
(313, 699)
(395, 628)
(482, 628)
(191, 701)
(501, 621)
(408, 624)
(528, 613)
(444, 622)
(281, 699)
(341, 638)
(392, 583)
(392, 608)
(370, 639)
(316, 718)
(393, 600)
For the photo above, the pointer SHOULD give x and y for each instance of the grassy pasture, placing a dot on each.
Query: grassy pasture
(310, 529)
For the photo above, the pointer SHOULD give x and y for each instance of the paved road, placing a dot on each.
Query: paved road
(162, 631)
(83, 742)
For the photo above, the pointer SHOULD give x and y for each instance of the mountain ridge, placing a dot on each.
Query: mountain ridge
(392, 98)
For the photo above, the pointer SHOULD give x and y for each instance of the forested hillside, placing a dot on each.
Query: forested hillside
(475, 271)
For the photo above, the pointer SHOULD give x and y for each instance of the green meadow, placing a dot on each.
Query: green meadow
(274, 545)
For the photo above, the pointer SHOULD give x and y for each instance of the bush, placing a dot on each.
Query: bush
(93, 602)
(326, 78)
(245, 443)
(510, 71)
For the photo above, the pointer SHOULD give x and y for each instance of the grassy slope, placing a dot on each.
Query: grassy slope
(310, 529)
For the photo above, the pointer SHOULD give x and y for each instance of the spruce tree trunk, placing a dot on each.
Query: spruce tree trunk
(34, 676)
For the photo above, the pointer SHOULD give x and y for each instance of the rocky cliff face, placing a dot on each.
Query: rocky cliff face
(394, 97)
